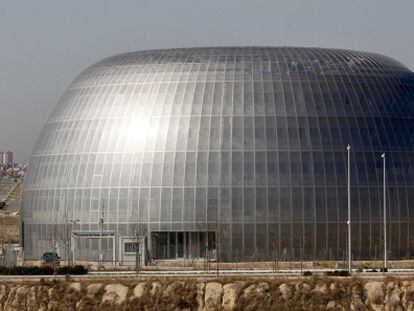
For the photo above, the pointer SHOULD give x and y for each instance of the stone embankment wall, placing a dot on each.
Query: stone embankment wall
(222, 294)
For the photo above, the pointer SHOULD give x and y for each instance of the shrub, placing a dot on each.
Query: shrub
(76, 270)
(44, 270)
(307, 273)
(3, 270)
(63, 270)
(29, 270)
(337, 273)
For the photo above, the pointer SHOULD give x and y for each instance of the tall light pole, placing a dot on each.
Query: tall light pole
(348, 148)
(384, 176)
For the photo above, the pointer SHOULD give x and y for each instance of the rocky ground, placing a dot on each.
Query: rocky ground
(309, 293)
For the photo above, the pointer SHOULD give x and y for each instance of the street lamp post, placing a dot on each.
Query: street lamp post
(348, 148)
(384, 176)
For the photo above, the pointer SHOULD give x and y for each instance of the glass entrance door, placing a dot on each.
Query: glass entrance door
(176, 245)
(181, 244)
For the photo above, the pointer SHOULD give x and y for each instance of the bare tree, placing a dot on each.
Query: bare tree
(138, 234)
(222, 244)
(410, 243)
(274, 238)
(210, 245)
(217, 242)
(206, 245)
(379, 245)
(67, 242)
(193, 253)
(3, 239)
(54, 242)
(66, 239)
(343, 242)
(298, 242)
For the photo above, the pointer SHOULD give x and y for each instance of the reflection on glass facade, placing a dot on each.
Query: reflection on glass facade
(249, 140)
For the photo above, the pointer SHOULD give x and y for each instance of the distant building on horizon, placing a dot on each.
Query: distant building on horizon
(6, 157)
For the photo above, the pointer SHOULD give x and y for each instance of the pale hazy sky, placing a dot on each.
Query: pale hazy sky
(45, 44)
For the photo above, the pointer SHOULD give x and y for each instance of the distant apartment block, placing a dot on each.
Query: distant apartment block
(6, 157)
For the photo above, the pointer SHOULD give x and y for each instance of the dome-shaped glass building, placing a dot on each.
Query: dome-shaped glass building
(235, 150)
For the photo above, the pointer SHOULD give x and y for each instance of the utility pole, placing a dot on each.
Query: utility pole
(101, 222)
(384, 176)
(348, 148)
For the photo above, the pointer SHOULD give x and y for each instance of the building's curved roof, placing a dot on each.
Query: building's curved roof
(283, 61)
(321, 58)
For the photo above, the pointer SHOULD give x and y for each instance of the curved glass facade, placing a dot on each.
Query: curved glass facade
(249, 140)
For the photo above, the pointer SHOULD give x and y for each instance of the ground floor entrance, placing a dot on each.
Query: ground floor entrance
(126, 250)
(179, 244)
